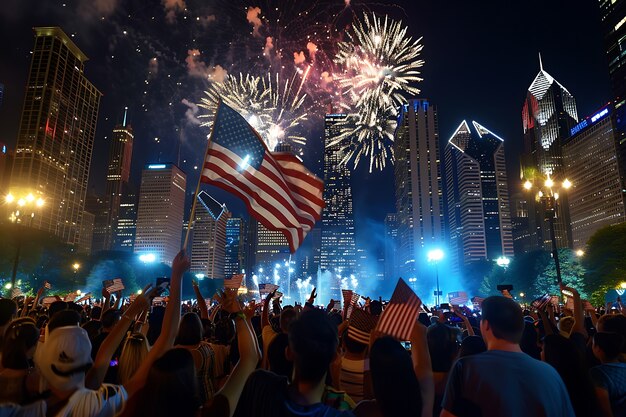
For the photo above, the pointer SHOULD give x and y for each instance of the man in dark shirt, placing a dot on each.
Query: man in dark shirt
(504, 381)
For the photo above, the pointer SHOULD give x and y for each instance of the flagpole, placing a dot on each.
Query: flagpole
(195, 195)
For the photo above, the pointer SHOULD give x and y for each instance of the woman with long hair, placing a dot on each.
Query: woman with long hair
(133, 354)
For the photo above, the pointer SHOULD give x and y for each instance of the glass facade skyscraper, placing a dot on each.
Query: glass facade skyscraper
(118, 174)
(548, 114)
(56, 134)
(338, 251)
(477, 195)
(591, 164)
(419, 198)
(235, 240)
(613, 15)
(160, 211)
(208, 243)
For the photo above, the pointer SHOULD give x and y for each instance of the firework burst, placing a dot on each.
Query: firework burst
(380, 64)
(273, 107)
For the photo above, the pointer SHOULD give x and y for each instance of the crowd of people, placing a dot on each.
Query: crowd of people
(227, 358)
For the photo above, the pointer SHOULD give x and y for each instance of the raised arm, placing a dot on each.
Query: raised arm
(96, 374)
(265, 314)
(579, 313)
(457, 311)
(423, 368)
(204, 310)
(169, 329)
(106, 305)
(248, 354)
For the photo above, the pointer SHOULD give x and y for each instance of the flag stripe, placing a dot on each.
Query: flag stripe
(289, 161)
(258, 179)
(263, 216)
(399, 317)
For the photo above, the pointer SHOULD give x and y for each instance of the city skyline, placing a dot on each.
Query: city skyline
(363, 178)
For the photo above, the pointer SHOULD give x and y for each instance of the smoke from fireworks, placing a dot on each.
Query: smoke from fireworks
(379, 65)
(273, 107)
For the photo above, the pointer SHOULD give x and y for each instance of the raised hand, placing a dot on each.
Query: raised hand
(180, 264)
(250, 309)
(313, 296)
(228, 301)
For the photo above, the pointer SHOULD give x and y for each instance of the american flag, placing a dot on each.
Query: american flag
(85, 297)
(70, 297)
(267, 288)
(276, 187)
(361, 325)
(113, 285)
(234, 282)
(541, 302)
(399, 317)
(350, 298)
(477, 301)
(457, 298)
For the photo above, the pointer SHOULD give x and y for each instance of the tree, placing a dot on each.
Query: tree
(605, 261)
(572, 274)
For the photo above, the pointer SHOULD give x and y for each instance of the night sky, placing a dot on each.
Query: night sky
(480, 59)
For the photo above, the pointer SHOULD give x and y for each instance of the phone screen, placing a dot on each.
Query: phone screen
(406, 345)
(162, 285)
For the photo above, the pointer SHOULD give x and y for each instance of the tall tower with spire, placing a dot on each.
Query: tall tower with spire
(548, 114)
(118, 175)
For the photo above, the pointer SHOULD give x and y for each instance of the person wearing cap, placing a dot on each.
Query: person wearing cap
(75, 380)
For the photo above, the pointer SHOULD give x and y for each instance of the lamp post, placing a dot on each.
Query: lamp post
(21, 206)
(548, 196)
(75, 268)
(435, 256)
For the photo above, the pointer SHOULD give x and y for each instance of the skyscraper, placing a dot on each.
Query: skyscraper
(6, 163)
(591, 164)
(419, 199)
(126, 228)
(160, 211)
(118, 174)
(548, 114)
(613, 15)
(338, 251)
(392, 268)
(208, 245)
(56, 134)
(235, 241)
(477, 194)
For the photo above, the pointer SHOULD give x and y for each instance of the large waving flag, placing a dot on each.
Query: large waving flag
(399, 317)
(278, 190)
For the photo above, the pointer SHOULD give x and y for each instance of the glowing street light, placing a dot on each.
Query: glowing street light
(9, 198)
(528, 185)
(147, 258)
(139, 292)
(567, 184)
(549, 182)
(503, 261)
(200, 276)
(435, 255)
(8, 285)
(76, 266)
(580, 253)
(622, 285)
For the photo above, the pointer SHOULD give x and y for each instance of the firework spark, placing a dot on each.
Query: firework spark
(273, 107)
(379, 65)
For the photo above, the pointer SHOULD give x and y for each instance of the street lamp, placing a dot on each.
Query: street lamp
(580, 253)
(23, 206)
(435, 255)
(503, 262)
(548, 195)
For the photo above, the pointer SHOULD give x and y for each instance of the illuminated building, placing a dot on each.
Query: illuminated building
(208, 243)
(477, 195)
(271, 246)
(520, 223)
(591, 165)
(6, 163)
(86, 233)
(56, 134)
(126, 227)
(548, 115)
(392, 269)
(160, 211)
(235, 240)
(338, 249)
(419, 199)
(118, 173)
(613, 15)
